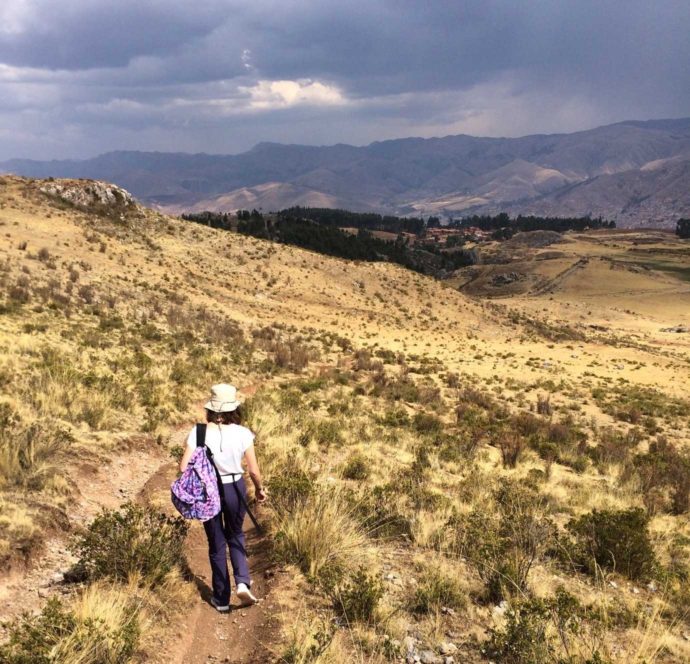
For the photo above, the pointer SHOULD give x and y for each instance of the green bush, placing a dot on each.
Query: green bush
(524, 638)
(395, 418)
(436, 589)
(290, 488)
(541, 631)
(132, 540)
(664, 470)
(58, 635)
(358, 597)
(503, 544)
(427, 424)
(614, 540)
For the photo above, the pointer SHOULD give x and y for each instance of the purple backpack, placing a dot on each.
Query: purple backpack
(195, 493)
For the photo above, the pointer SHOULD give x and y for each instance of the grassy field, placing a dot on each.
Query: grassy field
(497, 478)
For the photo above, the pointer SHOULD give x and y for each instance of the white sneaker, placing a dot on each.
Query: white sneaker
(245, 594)
(222, 608)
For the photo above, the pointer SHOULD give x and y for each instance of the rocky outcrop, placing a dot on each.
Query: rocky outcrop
(90, 195)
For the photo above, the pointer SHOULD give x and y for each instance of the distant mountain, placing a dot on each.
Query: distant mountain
(637, 173)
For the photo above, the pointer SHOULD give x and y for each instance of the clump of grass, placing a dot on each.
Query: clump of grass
(356, 468)
(308, 640)
(29, 454)
(103, 627)
(380, 512)
(320, 535)
(20, 532)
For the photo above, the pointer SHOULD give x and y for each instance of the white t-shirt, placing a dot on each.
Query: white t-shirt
(228, 443)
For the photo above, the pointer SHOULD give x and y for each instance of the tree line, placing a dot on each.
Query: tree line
(530, 223)
(331, 240)
(369, 220)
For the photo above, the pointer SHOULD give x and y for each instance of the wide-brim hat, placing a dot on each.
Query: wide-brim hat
(223, 399)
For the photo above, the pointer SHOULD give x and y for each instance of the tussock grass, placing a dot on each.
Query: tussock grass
(321, 535)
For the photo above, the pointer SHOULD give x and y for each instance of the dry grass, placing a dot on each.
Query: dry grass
(121, 342)
(321, 535)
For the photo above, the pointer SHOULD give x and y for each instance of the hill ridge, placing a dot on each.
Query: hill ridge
(437, 175)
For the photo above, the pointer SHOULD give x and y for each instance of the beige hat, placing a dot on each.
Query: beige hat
(223, 398)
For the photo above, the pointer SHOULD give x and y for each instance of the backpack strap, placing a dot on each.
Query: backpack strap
(201, 442)
(201, 435)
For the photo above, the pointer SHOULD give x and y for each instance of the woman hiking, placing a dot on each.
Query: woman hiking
(229, 442)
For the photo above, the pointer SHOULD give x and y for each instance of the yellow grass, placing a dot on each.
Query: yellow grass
(68, 360)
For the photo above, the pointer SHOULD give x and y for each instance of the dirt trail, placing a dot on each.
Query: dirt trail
(245, 634)
(98, 485)
(559, 278)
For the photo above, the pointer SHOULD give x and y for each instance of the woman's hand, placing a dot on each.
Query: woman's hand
(261, 495)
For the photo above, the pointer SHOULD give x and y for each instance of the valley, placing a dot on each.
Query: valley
(494, 466)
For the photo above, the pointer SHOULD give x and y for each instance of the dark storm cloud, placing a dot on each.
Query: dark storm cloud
(83, 76)
(83, 34)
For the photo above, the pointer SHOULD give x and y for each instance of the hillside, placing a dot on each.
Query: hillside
(635, 173)
(450, 476)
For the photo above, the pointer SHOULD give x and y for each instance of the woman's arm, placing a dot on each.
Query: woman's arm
(188, 451)
(255, 473)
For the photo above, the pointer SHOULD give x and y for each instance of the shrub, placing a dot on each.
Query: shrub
(614, 540)
(436, 589)
(511, 444)
(358, 597)
(289, 489)
(459, 448)
(544, 405)
(613, 447)
(132, 540)
(452, 380)
(363, 361)
(324, 432)
(630, 403)
(664, 469)
(483, 400)
(397, 417)
(503, 545)
(427, 424)
(401, 389)
(524, 638)
(292, 355)
(542, 631)
(527, 424)
(356, 468)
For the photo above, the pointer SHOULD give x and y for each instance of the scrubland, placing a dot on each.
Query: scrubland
(497, 480)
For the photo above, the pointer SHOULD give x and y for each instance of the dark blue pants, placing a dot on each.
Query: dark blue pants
(225, 530)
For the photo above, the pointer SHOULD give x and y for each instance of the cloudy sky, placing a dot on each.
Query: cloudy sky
(81, 77)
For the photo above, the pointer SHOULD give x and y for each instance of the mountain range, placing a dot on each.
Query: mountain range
(636, 173)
